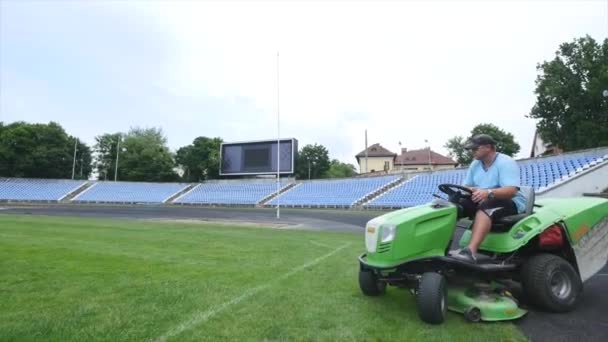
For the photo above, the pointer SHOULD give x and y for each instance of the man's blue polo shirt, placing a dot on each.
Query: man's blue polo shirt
(503, 172)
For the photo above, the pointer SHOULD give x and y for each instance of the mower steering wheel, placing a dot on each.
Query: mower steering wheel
(448, 189)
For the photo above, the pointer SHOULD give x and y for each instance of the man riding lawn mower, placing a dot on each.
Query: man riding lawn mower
(550, 246)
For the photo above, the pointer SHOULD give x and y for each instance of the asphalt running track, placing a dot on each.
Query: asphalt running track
(589, 322)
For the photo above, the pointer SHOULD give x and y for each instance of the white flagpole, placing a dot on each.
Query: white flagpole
(278, 145)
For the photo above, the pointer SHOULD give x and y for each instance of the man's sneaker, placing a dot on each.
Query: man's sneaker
(464, 254)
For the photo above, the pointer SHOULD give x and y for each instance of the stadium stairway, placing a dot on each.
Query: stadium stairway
(369, 197)
(68, 198)
(270, 197)
(180, 193)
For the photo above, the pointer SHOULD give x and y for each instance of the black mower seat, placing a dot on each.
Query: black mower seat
(505, 223)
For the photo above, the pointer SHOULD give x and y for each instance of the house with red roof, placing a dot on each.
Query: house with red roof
(380, 159)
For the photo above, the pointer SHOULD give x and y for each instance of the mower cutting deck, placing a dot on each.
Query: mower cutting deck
(550, 250)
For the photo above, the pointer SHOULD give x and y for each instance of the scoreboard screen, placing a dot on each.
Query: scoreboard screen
(257, 157)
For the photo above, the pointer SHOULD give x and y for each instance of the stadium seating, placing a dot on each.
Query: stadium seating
(17, 189)
(229, 193)
(129, 192)
(417, 190)
(539, 173)
(343, 192)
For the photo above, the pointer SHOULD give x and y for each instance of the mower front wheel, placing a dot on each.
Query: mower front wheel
(370, 285)
(431, 300)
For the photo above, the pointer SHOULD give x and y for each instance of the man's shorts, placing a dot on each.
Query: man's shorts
(498, 208)
(494, 208)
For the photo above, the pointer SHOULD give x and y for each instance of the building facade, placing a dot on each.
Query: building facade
(380, 159)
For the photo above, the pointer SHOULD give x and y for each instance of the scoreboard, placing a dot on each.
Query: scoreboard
(258, 157)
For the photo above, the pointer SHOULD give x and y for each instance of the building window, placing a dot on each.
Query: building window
(387, 165)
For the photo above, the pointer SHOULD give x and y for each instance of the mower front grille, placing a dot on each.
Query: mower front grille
(384, 247)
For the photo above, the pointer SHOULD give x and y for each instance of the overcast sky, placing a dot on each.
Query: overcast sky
(406, 71)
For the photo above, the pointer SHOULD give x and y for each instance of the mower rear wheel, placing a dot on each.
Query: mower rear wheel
(431, 300)
(370, 285)
(551, 282)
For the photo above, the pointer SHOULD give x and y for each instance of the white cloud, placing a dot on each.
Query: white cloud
(406, 71)
(417, 70)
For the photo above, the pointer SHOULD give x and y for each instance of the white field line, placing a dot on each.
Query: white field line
(204, 316)
(320, 244)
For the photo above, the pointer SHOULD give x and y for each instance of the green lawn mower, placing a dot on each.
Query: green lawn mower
(549, 252)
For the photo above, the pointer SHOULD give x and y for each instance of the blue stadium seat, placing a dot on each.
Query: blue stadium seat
(129, 192)
(19, 189)
(417, 190)
(332, 192)
(230, 192)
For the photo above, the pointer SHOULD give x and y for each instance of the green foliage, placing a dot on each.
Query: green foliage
(84, 160)
(313, 161)
(144, 156)
(505, 143)
(456, 149)
(39, 151)
(338, 169)
(572, 112)
(105, 154)
(200, 160)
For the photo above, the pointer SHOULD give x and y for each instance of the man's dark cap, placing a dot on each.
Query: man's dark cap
(478, 140)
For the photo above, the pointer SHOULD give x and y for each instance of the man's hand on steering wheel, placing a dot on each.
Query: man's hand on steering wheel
(455, 192)
(480, 195)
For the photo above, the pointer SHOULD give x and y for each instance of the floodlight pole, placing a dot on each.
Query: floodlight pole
(117, 153)
(278, 145)
(74, 162)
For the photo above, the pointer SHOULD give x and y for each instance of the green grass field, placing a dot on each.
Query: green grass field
(72, 279)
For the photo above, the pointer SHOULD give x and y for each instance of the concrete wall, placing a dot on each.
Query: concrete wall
(589, 181)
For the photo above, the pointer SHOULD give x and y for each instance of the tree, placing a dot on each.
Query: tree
(84, 159)
(200, 160)
(456, 149)
(105, 154)
(312, 162)
(505, 143)
(144, 156)
(338, 169)
(38, 151)
(570, 106)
